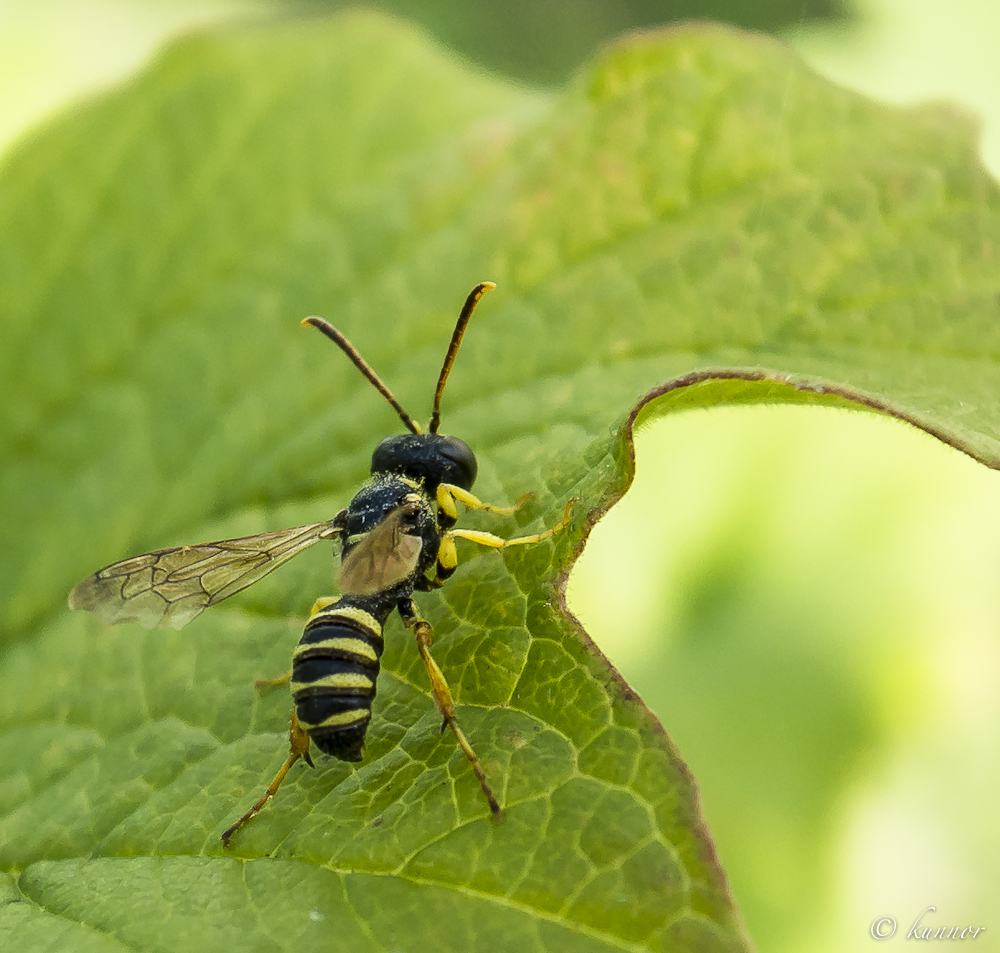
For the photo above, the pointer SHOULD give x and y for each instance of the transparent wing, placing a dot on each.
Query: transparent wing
(383, 557)
(169, 587)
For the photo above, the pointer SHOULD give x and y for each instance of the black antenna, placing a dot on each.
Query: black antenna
(456, 340)
(362, 365)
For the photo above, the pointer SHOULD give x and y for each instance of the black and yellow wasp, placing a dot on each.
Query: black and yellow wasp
(394, 532)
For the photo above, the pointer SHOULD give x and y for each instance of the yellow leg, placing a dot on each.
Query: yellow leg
(447, 494)
(442, 698)
(447, 561)
(498, 542)
(262, 683)
(298, 743)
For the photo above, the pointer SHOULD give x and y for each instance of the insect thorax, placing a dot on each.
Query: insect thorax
(385, 494)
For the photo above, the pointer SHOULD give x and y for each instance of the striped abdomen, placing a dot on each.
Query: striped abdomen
(334, 670)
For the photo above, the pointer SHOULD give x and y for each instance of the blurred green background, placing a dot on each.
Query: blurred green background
(808, 599)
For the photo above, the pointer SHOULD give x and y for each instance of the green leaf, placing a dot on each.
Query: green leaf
(538, 43)
(698, 220)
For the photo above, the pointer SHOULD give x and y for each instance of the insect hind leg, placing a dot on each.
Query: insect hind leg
(442, 697)
(298, 744)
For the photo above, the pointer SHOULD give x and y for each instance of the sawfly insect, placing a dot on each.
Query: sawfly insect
(397, 536)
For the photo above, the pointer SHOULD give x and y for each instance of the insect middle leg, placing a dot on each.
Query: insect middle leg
(447, 556)
(498, 542)
(298, 744)
(261, 683)
(442, 696)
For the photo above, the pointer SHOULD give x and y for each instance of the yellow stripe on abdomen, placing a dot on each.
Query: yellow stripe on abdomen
(341, 719)
(349, 647)
(334, 672)
(344, 680)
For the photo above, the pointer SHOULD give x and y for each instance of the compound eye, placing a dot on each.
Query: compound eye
(430, 457)
(464, 467)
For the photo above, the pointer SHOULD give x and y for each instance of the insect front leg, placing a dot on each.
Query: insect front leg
(447, 555)
(442, 696)
(298, 744)
(448, 493)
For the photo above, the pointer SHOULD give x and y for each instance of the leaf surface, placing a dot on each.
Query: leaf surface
(698, 220)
